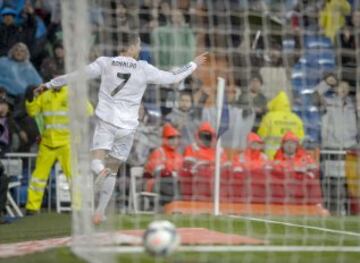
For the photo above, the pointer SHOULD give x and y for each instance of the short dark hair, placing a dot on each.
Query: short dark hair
(187, 92)
(127, 39)
(256, 75)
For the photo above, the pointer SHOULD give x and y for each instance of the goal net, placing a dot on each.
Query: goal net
(268, 167)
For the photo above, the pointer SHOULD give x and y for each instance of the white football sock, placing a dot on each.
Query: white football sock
(106, 192)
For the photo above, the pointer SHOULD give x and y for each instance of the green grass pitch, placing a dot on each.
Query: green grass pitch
(58, 225)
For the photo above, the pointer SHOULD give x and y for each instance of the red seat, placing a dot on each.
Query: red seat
(255, 186)
(233, 185)
(186, 185)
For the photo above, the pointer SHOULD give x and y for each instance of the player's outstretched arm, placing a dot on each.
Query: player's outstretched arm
(91, 71)
(161, 77)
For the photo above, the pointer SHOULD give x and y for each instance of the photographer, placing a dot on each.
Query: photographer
(8, 128)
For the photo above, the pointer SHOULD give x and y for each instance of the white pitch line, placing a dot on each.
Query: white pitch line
(298, 225)
(137, 249)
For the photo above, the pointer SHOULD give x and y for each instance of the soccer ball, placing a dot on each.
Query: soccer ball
(161, 238)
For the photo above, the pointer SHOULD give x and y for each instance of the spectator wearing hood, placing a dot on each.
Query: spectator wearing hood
(163, 165)
(166, 159)
(203, 149)
(253, 157)
(332, 17)
(292, 157)
(299, 172)
(277, 122)
(11, 33)
(17, 72)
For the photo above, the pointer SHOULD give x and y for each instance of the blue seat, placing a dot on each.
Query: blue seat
(310, 69)
(304, 77)
(312, 122)
(316, 41)
(288, 45)
(320, 56)
(313, 125)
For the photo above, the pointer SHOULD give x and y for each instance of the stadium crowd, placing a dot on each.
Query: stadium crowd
(291, 84)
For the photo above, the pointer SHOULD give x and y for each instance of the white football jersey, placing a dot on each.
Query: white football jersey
(123, 83)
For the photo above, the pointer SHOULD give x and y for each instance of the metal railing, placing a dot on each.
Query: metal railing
(29, 159)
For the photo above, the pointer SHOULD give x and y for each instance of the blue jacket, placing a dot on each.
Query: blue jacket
(16, 76)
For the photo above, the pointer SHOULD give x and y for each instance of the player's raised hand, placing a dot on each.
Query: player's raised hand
(40, 89)
(201, 59)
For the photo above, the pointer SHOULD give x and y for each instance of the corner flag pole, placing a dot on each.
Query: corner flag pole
(219, 104)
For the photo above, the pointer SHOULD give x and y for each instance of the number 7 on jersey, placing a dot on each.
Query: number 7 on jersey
(122, 76)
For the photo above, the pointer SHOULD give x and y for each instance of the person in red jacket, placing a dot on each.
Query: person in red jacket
(203, 149)
(166, 160)
(163, 165)
(299, 170)
(292, 157)
(253, 158)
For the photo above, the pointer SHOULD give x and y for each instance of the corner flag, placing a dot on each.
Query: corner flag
(222, 109)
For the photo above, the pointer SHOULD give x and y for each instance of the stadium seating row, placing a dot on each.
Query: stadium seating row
(256, 186)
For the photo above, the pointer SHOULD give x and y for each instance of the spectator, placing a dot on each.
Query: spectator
(8, 127)
(146, 139)
(185, 118)
(338, 124)
(241, 122)
(125, 22)
(203, 149)
(11, 135)
(17, 72)
(166, 158)
(339, 132)
(173, 44)
(31, 127)
(54, 32)
(148, 19)
(292, 157)
(274, 74)
(332, 17)
(8, 30)
(164, 163)
(54, 66)
(164, 13)
(327, 85)
(277, 122)
(253, 157)
(305, 15)
(347, 41)
(252, 99)
(11, 33)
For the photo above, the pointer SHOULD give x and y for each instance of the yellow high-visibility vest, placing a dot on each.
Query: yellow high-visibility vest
(277, 122)
(54, 108)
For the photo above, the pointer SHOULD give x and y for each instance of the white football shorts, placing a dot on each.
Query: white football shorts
(116, 140)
